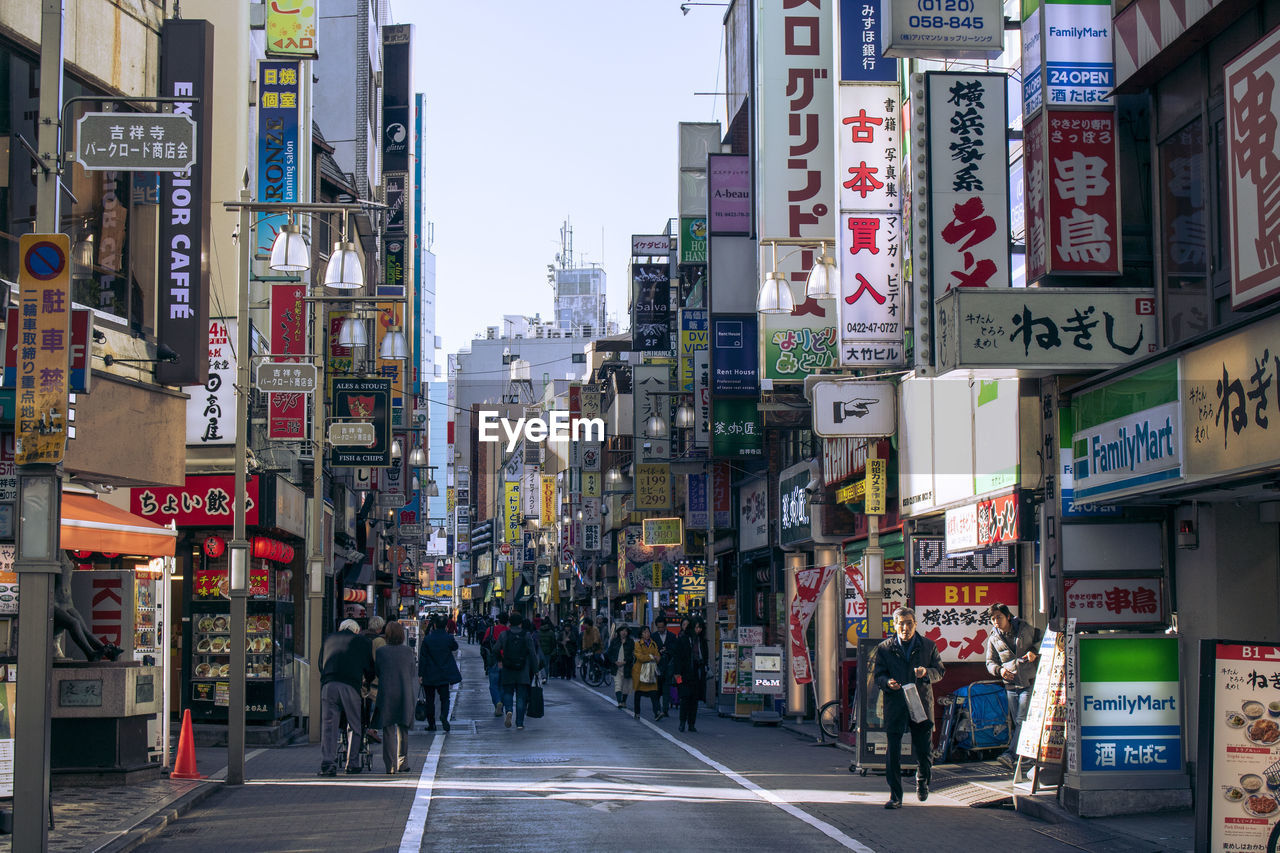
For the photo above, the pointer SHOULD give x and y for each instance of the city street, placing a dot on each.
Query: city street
(587, 777)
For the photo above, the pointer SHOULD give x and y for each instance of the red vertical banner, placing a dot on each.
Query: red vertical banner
(287, 418)
(1033, 170)
(809, 586)
(1080, 187)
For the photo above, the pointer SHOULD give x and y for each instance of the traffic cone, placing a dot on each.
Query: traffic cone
(185, 766)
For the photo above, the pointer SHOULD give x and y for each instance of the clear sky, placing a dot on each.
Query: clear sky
(538, 112)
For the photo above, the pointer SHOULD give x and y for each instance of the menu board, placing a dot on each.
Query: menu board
(729, 668)
(1243, 745)
(1043, 733)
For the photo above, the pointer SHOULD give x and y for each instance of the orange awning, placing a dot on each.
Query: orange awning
(89, 524)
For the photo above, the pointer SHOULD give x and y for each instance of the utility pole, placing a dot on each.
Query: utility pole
(39, 505)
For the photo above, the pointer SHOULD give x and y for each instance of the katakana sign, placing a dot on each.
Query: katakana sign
(352, 434)
(954, 614)
(290, 378)
(127, 142)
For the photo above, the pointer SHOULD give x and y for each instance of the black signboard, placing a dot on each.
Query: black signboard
(651, 308)
(395, 97)
(182, 293)
(929, 557)
(366, 400)
(735, 355)
(395, 184)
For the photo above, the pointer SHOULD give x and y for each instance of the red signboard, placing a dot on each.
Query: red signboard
(998, 520)
(1073, 205)
(287, 413)
(954, 614)
(205, 501)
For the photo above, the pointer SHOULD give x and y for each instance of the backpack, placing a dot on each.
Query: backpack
(514, 655)
(489, 649)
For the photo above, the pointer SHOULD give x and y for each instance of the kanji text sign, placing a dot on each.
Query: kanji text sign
(352, 434)
(292, 378)
(44, 348)
(143, 142)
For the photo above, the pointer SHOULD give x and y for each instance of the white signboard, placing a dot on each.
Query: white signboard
(962, 528)
(753, 515)
(211, 407)
(844, 408)
(650, 245)
(1077, 53)
(872, 303)
(944, 29)
(968, 180)
(1130, 453)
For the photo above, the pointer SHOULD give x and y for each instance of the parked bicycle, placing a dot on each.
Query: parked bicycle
(592, 669)
(834, 723)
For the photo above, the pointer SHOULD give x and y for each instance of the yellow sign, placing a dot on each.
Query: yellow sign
(662, 531)
(450, 500)
(391, 316)
(465, 593)
(656, 569)
(513, 515)
(876, 485)
(852, 493)
(291, 29)
(555, 583)
(511, 577)
(591, 484)
(43, 348)
(653, 485)
(548, 507)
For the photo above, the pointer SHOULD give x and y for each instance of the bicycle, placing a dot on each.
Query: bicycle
(831, 723)
(593, 672)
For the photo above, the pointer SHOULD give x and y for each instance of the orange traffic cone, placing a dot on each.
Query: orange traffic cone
(185, 766)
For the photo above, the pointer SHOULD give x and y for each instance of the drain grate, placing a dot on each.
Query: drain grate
(541, 759)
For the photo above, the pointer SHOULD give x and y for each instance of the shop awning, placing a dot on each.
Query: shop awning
(89, 524)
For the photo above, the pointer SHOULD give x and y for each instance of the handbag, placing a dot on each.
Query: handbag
(420, 709)
(649, 672)
(915, 707)
(536, 705)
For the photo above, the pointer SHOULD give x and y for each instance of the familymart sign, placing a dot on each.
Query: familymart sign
(1128, 435)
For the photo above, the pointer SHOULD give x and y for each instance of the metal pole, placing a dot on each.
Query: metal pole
(713, 607)
(239, 542)
(36, 560)
(315, 557)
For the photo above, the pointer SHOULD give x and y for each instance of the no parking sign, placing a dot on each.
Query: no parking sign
(44, 349)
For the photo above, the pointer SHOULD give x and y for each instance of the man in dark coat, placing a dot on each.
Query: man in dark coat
(907, 658)
(521, 661)
(346, 664)
(689, 664)
(666, 642)
(438, 670)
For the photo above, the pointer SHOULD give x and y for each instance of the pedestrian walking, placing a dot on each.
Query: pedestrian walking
(546, 642)
(644, 672)
(492, 662)
(1011, 657)
(369, 693)
(665, 641)
(438, 670)
(521, 663)
(690, 666)
(908, 658)
(619, 656)
(397, 697)
(346, 663)
(565, 653)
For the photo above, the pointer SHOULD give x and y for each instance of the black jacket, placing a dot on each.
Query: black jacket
(346, 658)
(629, 654)
(892, 664)
(692, 672)
(435, 659)
(533, 657)
(666, 642)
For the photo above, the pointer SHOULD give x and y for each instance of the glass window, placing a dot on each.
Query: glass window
(1184, 235)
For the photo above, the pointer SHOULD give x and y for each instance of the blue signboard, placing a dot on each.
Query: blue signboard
(278, 154)
(860, 44)
(735, 356)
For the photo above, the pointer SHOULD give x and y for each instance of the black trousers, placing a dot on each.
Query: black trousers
(921, 745)
(689, 705)
(431, 690)
(653, 700)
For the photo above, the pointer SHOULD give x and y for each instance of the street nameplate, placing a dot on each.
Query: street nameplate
(136, 142)
(352, 434)
(280, 377)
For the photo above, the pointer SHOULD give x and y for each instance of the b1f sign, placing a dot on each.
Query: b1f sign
(945, 29)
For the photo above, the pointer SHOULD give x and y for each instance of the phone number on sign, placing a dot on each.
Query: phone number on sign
(938, 22)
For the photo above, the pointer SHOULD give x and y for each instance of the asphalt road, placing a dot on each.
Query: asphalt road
(587, 777)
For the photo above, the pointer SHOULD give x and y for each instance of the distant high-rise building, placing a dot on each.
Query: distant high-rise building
(579, 291)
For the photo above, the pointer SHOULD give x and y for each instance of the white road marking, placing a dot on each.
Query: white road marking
(764, 794)
(221, 775)
(416, 825)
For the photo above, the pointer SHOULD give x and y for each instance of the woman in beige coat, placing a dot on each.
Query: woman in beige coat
(644, 672)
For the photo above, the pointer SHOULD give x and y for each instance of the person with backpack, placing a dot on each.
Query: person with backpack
(492, 665)
(437, 670)
(521, 663)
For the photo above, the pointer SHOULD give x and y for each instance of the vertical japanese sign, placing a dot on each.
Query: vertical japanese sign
(696, 501)
(1253, 157)
(693, 339)
(729, 195)
(969, 180)
(810, 584)
(650, 383)
(651, 307)
(291, 28)
(182, 312)
(512, 514)
(211, 407)
(795, 176)
(548, 505)
(653, 485)
(1240, 744)
(1073, 203)
(861, 53)
(1043, 735)
(44, 351)
(278, 154)
(286, 413)
(871, 305)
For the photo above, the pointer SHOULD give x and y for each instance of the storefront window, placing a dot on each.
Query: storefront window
(110, 217)
(1185, 237)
